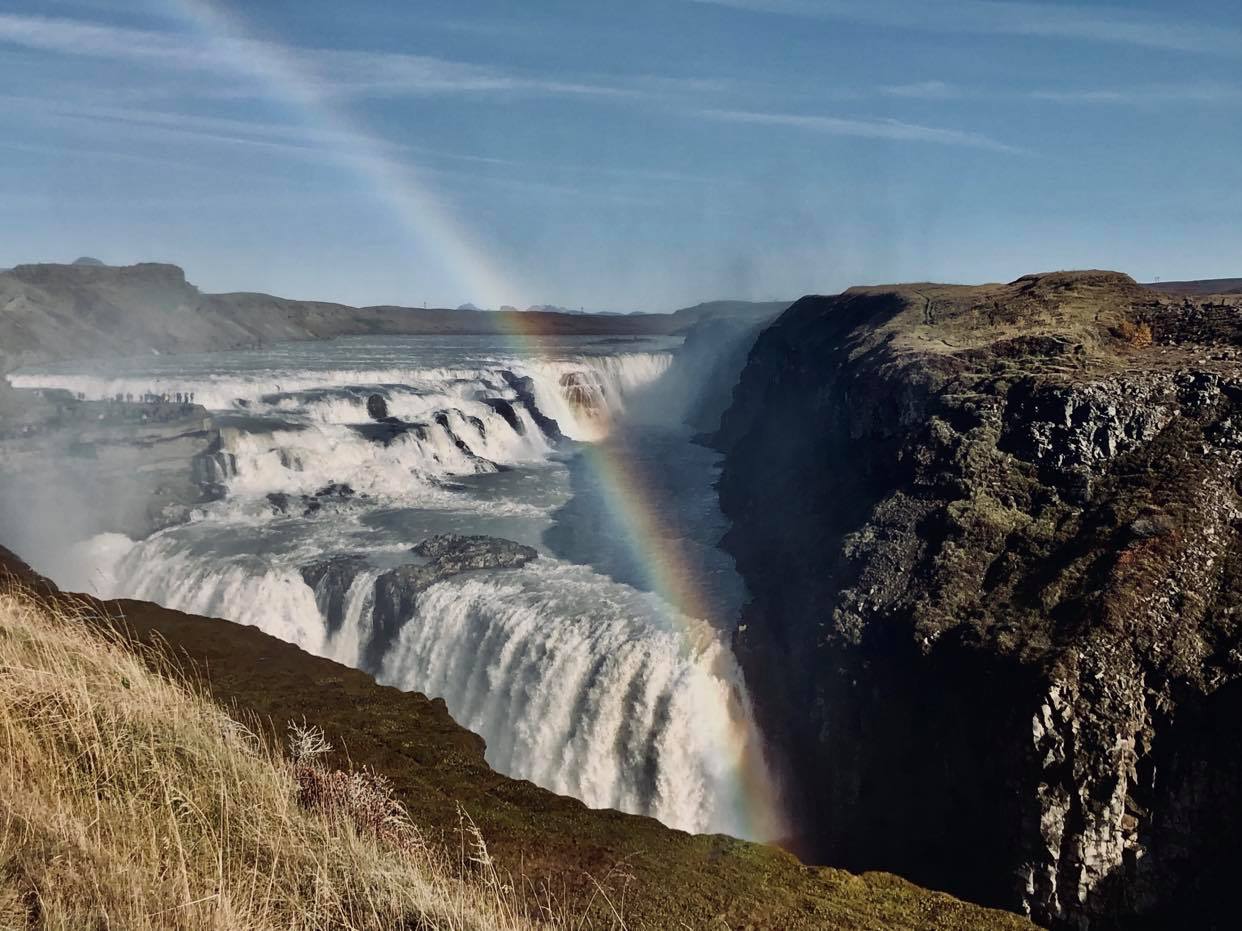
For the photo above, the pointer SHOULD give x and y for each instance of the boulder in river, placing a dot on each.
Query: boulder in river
(377, 408)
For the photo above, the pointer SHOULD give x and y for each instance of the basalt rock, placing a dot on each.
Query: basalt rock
(992, 540)
(442, 420)
(444, 555)
(279, 501)
(505, 410)
(377, 408)
(524, 387)
(331, 580)
(585, 393)
(340, 490)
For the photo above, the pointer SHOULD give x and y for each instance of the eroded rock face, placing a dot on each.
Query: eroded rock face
(377, 408)
(505, 410)
(448, 554)
(1073, 431)
(586, 394)
(996, 628)
(331, 580)
(524, 387)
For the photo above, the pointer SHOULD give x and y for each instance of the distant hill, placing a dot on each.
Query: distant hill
(84, 310)
(87, 260)
(1200, 286)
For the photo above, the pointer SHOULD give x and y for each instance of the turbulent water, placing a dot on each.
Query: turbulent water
(588, 670)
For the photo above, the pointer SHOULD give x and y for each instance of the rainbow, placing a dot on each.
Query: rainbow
(667, 570)
(418, 211)
(669, 573)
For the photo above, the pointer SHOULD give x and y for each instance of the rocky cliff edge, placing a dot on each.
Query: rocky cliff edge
(992, 539)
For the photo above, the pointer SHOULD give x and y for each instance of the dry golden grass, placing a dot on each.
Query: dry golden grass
(128, 800)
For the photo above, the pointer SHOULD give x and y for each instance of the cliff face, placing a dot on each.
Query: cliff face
(992, 540)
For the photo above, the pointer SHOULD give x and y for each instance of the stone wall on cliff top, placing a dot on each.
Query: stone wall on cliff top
(992, 540)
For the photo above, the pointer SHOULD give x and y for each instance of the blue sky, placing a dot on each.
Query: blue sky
(638, 154)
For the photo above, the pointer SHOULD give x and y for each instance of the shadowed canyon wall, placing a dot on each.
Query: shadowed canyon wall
(991, 538)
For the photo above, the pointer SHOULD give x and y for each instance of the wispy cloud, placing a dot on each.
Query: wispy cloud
(866, 128)
(924, 90)
(364, 73)
(1136, 95)
(334, 71)
(76, 37)
(1094, 23)
(286, 138)
(1145, 95)
(164, 126)
(103, 123)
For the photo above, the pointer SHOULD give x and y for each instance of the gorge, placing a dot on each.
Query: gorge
(991, 537)
(984, 609)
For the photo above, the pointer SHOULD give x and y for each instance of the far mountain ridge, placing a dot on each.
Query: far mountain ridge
(1199, 286)
(55, 311)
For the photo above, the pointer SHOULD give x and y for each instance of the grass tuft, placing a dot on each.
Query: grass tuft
(128, 799)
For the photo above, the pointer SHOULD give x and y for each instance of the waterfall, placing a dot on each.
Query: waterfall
(580, 683)
(577, 683)
(298, 431)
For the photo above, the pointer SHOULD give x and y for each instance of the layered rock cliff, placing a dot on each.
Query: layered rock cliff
(992, 540)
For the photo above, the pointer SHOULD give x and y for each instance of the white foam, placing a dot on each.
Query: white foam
(584, 685)
(578, 683)
(587, 687)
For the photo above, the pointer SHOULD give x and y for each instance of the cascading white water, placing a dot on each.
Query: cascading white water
(613, 705)
(415, 392)
(311, 439)
(577, 682)
(247, 588)
(346, 645)
(587, 399)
